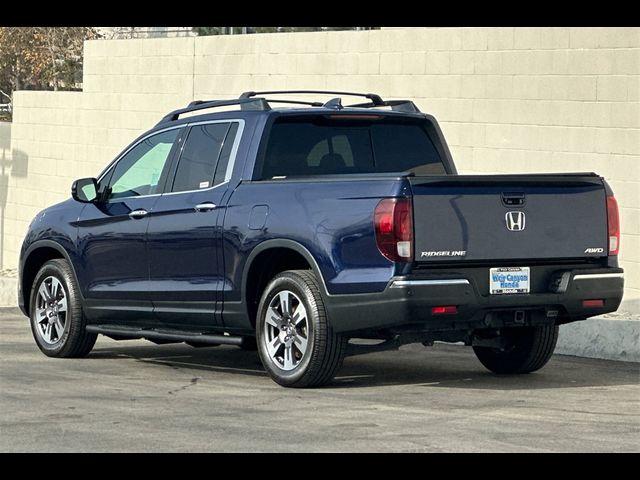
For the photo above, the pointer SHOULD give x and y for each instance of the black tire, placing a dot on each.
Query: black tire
(75, 341)
(529, 349)
(325, 349)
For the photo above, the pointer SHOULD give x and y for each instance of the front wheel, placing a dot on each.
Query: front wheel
(296, 342)
(527, 349)
(57, 322)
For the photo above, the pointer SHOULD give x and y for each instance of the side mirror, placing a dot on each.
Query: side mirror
(85, 190)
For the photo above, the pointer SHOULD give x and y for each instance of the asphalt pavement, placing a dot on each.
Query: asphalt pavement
(137, 396)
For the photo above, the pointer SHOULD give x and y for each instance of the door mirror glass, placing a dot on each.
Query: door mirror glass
(85, 190)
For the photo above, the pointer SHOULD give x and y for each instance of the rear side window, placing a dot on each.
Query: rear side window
(319, 146)
(197, 165)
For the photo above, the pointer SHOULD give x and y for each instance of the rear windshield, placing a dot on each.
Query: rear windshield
(324, 146)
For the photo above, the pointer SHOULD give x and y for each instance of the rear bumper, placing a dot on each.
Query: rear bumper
(407, 302)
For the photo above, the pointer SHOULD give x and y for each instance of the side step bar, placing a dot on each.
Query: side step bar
(124, 333)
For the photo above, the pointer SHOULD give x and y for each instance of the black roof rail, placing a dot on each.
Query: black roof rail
(375, 98)
(245, 104)
(247, 101)
(406, 106)
(296, 102)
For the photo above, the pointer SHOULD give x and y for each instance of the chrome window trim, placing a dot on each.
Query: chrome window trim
(230, 166)
(430, 283)
(595, 276)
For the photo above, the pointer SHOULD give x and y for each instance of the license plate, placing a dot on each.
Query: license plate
(508, 280)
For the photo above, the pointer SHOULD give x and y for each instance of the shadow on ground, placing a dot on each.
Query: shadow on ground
(445, 366)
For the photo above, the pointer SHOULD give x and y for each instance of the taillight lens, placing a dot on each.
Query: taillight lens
(393, 220)
(613, 224)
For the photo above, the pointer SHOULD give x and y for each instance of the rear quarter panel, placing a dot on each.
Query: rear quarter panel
(331, 219)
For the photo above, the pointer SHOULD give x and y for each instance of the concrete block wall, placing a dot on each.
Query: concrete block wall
(5, 163)
(508, 99)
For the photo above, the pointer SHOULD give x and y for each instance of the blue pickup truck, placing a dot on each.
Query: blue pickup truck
(316, 230)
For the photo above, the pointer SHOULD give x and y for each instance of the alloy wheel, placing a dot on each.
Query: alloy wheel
(51, 310)
(287, 330)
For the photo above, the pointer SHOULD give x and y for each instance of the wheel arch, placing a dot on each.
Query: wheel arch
(274, 251)
(35, 256)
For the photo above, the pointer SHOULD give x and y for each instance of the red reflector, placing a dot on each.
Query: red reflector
(613, 224)
(593, 303)
(444, 310)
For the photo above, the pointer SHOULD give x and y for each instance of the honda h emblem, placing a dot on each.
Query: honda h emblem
(515, 221)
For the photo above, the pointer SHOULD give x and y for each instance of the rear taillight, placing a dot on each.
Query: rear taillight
(393, 221)
(613, 224)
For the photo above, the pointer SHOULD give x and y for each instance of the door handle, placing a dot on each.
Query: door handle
(140, 213)
(205, 207)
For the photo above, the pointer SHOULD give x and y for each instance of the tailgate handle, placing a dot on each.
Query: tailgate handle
(513, 199)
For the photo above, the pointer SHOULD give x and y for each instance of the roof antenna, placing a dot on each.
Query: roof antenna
(334, 103)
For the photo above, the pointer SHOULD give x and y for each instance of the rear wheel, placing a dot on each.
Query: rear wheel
(527, 349)
(296, 342)
(57, 322)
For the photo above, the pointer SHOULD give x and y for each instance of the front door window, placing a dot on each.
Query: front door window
(141, 170)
